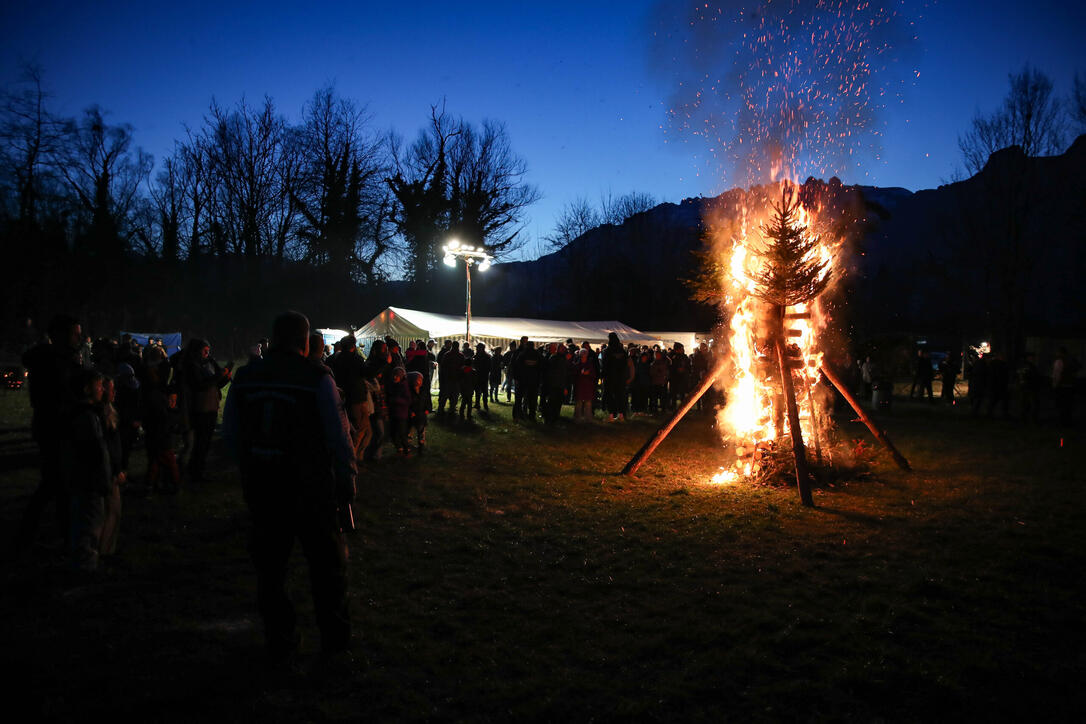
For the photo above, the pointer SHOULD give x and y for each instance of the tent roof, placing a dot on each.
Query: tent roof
(412, 323)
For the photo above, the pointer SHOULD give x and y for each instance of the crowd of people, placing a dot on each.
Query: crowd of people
(302, 416)
(619, 380)
(95, 401)
(993, 385)
(91, 405)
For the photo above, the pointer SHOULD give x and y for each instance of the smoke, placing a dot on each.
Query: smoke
(781, 88)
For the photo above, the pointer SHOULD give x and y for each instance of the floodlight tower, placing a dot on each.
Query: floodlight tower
(470, 254)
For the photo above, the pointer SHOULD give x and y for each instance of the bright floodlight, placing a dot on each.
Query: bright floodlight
(449, 260)
(454, 244)
(485, 265)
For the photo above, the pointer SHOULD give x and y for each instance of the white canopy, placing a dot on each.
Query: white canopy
(689, 340)
(331, 336)
(408, 324)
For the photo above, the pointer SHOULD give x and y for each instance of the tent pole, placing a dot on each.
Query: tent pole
(467, 273)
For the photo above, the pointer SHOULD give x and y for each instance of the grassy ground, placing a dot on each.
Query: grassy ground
(511, 574)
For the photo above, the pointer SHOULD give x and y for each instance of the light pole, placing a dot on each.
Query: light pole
(470, 254)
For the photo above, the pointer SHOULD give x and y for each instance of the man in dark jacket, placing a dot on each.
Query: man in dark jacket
(202, 379)
(481, 370)
(297, 464)
(52, 367)
(349, 370)
(617, 373)
(554, 383)
(526, 371)
(448, 378)
(507, 362)
(678, 376)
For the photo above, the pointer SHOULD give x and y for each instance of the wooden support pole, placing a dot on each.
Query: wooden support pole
(799, 452)
(816, 423)
(662, 432)
(866, 419)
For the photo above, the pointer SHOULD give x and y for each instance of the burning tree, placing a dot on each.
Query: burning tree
(771, 284)
(792, 273)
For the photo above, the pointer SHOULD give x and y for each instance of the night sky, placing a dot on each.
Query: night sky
(571, 80)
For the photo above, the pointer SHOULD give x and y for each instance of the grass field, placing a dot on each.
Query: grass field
(511, 574)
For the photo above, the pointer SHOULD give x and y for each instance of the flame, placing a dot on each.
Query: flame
(753, 420)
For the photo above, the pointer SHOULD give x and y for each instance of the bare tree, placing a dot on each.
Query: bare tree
(456, 179)
(105, 172)
(576, 218)
(617, 210)
(343, 204)
(488, 193)
(999, 227)
(29, 135)
(251, 162)
(169, 205)
(419, 184)
(1077, 105)
(1030, 117)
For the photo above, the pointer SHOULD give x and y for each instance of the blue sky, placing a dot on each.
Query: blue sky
(570, 79)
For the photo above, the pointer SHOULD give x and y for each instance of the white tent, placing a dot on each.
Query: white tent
(404, 325)
(689, 340)
(331, 336)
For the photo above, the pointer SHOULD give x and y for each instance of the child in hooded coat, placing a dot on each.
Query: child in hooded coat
(399, 404)
(417, 413)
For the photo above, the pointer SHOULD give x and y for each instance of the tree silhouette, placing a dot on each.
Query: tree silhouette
(105, 173)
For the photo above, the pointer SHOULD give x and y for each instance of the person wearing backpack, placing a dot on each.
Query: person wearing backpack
(282, 419)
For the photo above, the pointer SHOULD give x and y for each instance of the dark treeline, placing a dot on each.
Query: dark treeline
(248, 213)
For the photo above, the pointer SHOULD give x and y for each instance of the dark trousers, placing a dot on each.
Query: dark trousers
(51, 488)
(679, 388)
(377, 426)
(399, 432)
(203, 425)
(923, 384)
(419, 426)
(948, 388)
(527, 396)
(657, 398)
(449, 394)
(482, 397)
(88, 515)
(616, 397)
(552, 405)
(325, 551)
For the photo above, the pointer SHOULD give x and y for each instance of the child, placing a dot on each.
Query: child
(399, 403)
(87, 472)
(162, 422)
(417, 412)
(112, 428)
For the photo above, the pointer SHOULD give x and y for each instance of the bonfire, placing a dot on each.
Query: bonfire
(776, 385)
